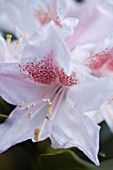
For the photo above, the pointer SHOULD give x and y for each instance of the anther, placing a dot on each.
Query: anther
(20, 37)
(47, 117)
(16, 44)
(8, 36)
(30, 114)
(36, 134)
(48, 101)
(21, 104)
(33, 104)
(27, 108)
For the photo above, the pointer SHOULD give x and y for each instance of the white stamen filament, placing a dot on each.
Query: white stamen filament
(52, 110)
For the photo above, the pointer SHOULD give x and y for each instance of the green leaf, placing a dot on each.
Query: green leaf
(5, 32)
(63, 160)
(5, 110)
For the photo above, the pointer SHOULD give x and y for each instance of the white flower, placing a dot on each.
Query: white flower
(51, 95)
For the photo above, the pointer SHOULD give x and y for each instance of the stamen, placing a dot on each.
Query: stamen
(47, 100)
(20, 38)
(8, 38)
(33, 104)
(30, 114)
(43, 125)
(21, 104)
(50, 110)
(27, 108)
(57, 105)
(16, 44)
(36, 134)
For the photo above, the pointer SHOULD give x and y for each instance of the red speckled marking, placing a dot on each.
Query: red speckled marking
(47, 71)
(45, 17)
(110, 65)
(57, 21)
(66, 80)
(97, 60)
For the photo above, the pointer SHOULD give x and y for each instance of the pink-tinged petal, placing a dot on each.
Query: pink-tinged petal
(19, 127)
(71, 128)
(87, 95)
(14, 88)
(45, 41)
(55, 7)
(90, 22)
(99, 59)
(22, 14)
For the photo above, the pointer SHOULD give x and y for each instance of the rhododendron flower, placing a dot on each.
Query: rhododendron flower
(37, 14)
(51, 95)
(98, 58)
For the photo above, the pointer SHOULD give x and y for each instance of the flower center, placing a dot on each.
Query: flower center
(47, 71)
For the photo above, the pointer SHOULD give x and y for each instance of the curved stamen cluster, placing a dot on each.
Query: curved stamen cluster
(52, 103)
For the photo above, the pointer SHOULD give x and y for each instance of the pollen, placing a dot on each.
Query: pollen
(21, 104)
(47, 100)
(8, 37)
(16, 44)
(27, 108)
(33, 104)
(30, 114)
(36, 134)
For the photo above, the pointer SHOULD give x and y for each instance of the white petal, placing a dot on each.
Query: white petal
(71, 128)
(22, 14)
(68, 26)
(18, 127)
(45, 41)
(89, 92)
(15, 88)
